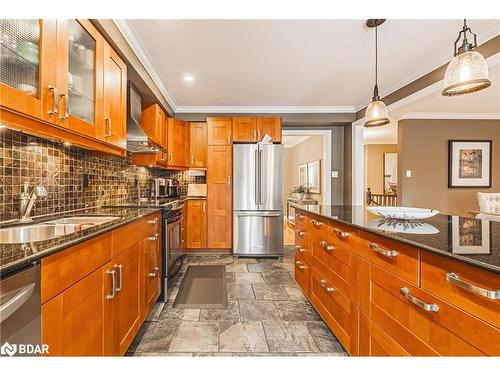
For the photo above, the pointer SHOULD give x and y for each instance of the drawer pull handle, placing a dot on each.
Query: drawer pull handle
(328, 289)
(327, 247)
(299, 265)
(426, 306)
(155, 272)
(113, 284)
(300, 249)
(153, 221)
(386, 253)
(120, 274)
(491, 294)
(300, 217)
(316, 223)
(300, 233)
(340, 233)
(153, 238)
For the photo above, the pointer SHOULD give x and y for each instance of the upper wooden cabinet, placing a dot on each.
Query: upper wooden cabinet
(178, 143)
(245, 129)
(154, 123)
(271, 126)
(198, 140)
(61, 79)
(219, 131)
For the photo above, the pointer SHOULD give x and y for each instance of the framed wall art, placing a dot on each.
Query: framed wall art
(469, 163)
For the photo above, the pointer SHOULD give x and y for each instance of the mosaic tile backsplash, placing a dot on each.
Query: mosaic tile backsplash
(62, 170)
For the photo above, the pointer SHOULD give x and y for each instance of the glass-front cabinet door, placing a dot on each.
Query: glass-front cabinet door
(81, 76)
(28, 67)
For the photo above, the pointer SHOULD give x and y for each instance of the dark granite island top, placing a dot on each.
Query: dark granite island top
(13, 256)
(476, 242)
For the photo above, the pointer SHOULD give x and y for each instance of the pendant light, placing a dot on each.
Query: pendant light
(468, 71)
(376, 112)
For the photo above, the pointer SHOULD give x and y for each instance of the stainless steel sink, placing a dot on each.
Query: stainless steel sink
(88, 220)
(51, 229)
(29, 233)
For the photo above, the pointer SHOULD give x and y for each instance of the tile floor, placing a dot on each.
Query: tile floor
(267, 315)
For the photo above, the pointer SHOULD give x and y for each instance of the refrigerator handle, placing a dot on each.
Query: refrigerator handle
(257, 177)
(260, 176)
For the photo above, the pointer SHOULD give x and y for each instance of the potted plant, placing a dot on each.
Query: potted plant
(301, 191)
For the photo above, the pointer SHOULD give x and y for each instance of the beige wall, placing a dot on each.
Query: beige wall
(423, 149)
(309, 150)
(374, 166)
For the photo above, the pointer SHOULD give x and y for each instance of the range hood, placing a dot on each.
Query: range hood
(137, 139)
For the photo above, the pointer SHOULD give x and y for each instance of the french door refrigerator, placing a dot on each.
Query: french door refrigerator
(257, 200)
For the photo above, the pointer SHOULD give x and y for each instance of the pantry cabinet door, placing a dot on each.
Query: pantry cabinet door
(28, 68)
(245, 129)
(198, 145)
(80, 76)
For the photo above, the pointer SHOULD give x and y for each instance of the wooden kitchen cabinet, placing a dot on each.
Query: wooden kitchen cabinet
(154, 123)
(219, 131)
(151, 272)
(245, 129)
(178, 143)
(196, 223)
(148, 159)
(219, 197)
(198, 143)
(61, 80)
(271, 126)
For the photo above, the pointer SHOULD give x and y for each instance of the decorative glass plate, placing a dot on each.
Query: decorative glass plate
(402, 213)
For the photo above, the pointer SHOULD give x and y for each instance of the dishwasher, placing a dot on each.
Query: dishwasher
(20, 311)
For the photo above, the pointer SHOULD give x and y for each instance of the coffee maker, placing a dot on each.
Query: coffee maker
(173, 188)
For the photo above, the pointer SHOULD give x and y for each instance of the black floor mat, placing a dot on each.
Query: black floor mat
(203, 287)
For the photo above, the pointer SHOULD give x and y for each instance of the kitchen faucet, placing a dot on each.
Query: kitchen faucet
(27, 201)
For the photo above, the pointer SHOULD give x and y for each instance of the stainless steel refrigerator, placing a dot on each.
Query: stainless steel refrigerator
(257, 200)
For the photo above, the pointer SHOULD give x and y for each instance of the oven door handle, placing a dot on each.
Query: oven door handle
(15, 303)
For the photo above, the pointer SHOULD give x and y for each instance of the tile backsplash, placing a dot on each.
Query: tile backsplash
(61, 169)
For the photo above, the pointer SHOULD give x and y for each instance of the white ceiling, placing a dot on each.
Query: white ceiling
(481, 104)
(290, 141)
(316, 65)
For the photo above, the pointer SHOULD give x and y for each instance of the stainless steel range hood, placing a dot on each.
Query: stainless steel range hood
(137, 139)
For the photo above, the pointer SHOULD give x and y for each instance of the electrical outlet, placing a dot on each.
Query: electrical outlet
(408, 173)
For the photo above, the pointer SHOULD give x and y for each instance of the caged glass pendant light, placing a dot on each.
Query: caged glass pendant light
(468, 71)
(376, 112)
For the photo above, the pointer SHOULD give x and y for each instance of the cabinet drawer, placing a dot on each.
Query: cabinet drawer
(374, 342)
(318, 227)
(302, 237)
(324, 248)
(467, 287)
(301, 221)
(395, 257)
(65, 268)
(152, 224)
(340, 314)
(302, 274)
(303, 252)
(421, 323)
(128, 235)
(344, 236)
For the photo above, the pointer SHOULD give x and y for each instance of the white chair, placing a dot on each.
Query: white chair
(488, 217)
(489, 202)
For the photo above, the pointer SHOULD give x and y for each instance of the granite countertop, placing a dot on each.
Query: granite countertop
(476, 242)
(13, 256)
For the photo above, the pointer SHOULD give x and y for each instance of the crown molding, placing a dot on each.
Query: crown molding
(449, 116)
(137, 46)
(265, 109)
(489, 31)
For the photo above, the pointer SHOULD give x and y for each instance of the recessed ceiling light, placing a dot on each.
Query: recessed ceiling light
(67, 144)
(188, 78)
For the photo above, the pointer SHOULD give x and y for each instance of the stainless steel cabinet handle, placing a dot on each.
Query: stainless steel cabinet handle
(153, 238)
(299, 265)
(329, 289)
(386, 253)
(299, 216)
(300, 249)
(300, 233)
(257, 177)
(154, 221)
(258, 134)
(192, 159)
(154, 273)
(120, 277)
(327, 247)
(55, 93)
(109, 132)
(113, 284)
(260, 176)
(316, 223)
(171, 158)
(490, 294)
(341, 233)
(13, 304)
(432, 307)
(229, 137)
(65, 114)
(204, 206)
(229, 180)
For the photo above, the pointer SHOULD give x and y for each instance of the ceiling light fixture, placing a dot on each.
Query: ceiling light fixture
(467, 72)
(376, 112)
(188, 78)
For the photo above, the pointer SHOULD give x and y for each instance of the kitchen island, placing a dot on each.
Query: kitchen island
(389, 287)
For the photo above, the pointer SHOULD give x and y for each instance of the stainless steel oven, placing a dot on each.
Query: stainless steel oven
(172, 250)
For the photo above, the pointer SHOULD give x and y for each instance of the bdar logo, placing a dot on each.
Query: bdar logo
(8, 349)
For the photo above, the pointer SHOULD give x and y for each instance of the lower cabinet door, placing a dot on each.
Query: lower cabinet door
(122, 308)
(374, 342)
(72, 321)
(338, 312)
(302, 274)
(151, 273)
(196, 224)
